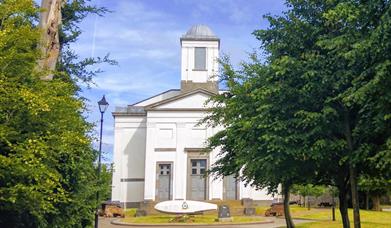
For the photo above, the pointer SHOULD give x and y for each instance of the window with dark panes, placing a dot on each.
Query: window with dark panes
(198, 166)
(165, 169)
(200, 58)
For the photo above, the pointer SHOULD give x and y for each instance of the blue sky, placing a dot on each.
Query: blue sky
(143, 36)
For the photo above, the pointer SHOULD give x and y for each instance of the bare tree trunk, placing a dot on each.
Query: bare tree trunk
(333, 207)
(376, 202)
(50, 21)
(343, 189)
(352, 171)
(367, 200)
(355, 203)
(343, 207)
(288, 217)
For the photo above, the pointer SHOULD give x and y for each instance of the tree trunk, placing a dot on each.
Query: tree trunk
(308, 203)
(333, 208)
(352, 170)
(343, 207)
(49, 22)
(355, 200)
(367, 200)
(376, 202)
(288, 217)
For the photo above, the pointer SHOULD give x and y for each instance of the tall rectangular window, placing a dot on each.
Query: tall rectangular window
(200, 58)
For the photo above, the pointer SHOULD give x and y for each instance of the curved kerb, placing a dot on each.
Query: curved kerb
(118, 222)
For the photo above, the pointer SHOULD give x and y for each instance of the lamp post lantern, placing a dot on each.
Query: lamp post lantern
(103, 104)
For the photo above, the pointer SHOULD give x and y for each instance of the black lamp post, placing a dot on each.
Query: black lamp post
(103, 104)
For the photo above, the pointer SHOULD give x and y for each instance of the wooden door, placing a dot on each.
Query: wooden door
(164, 182)
(197, 179)
(230, 188)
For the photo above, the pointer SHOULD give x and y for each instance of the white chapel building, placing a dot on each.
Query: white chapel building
(158, 146)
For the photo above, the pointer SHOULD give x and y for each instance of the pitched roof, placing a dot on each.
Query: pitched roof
(178, 97)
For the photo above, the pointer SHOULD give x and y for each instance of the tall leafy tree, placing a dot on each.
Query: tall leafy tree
(47, 172)
(260, 138)
(314, 103)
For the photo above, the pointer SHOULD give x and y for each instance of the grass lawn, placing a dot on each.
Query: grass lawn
(205, 219)
(369, 219)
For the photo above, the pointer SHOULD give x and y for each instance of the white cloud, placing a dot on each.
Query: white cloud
(131, 26)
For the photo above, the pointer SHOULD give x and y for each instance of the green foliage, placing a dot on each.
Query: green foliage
(375, 185)
(308, 190)
(70, 67)
(130, 212)
(320, 102)
(47, 172)
(105, 181)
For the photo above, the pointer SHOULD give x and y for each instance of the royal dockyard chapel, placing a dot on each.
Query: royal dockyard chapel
(158, 146)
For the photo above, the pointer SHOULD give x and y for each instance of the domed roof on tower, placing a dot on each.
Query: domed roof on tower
(199, 32)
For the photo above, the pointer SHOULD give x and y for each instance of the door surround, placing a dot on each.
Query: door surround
(237, 189)
(199, 154)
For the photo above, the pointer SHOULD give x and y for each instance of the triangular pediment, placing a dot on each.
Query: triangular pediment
(195, 99)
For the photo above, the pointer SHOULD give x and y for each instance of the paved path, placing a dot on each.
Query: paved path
(106, 223)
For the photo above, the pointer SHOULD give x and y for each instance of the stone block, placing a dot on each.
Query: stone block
(247, 202)
(249, 211)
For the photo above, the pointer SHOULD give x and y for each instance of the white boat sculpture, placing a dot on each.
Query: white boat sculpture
(184, 206)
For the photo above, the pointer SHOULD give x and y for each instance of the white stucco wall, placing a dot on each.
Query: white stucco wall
(129, 158)
(187, 61)
(194, 101)
(184, 135)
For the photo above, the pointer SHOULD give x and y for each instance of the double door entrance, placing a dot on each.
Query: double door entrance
(197, 182)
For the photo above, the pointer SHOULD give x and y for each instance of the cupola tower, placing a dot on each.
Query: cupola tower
(200, 52)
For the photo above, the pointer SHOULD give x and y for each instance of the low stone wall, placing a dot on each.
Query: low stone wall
(131, 204)
(315, 201)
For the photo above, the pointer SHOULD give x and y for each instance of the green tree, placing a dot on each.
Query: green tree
(314, 101)
(308, 190)
(105, 181)
(259, 140)
(47, 172)
(374, 187)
